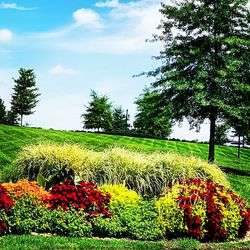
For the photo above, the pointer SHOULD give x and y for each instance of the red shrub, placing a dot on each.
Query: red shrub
(5, 204)
(83, 196)
(208, 191)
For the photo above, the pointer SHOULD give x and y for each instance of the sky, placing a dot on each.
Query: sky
(78, 45)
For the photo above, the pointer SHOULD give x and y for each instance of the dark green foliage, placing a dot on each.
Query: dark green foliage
(205, 61)
(98, 114)
(221, 134)
(120, 121)
(152, 118)
(24, 98)
(2, 111)
(11, 118)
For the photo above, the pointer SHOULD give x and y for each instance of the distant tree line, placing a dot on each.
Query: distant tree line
(23, 100)
(101, 116)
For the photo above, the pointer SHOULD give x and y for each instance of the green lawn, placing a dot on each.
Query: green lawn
(12, 139)
(29, 242)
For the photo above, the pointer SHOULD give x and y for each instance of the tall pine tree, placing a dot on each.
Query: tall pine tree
(206, 46)
(24, 98)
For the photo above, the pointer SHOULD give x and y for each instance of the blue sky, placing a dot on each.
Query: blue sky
(78, 45)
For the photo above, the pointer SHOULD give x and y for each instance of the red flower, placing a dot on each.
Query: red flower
(83, 196)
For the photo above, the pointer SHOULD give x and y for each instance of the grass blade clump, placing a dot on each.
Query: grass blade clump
(145, 173)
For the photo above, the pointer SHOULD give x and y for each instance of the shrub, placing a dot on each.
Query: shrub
(144, 173)
(84, 196)
(133, 221)
(24, 188)
(72, 223)
(203, 210)
(132, 217)
(5, 205)
(29, 215)
(120, 195)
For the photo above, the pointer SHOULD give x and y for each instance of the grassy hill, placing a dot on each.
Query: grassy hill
(12, 139)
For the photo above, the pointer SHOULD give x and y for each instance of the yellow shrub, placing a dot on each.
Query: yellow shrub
(120, 195)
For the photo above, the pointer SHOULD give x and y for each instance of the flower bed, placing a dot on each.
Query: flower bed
(200, 209)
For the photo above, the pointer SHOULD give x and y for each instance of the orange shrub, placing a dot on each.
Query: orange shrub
(25, 188)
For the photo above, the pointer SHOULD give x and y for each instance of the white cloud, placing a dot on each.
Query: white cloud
(5, 35)
(108, 3)
(87, 18)
(60, 70)
(133, 23)
(83, 18)
(14, 6)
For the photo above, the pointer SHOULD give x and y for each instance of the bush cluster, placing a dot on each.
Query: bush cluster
(148, 174)
(202, 210)
(25, 188)
(83, 196)
(5, 205)
(193, 208)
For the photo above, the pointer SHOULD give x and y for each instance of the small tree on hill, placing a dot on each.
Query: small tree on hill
(120, 122)
(2, 111)
(98, 114)
(24, 98)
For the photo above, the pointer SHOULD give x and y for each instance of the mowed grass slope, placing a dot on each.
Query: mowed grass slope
(12, 139)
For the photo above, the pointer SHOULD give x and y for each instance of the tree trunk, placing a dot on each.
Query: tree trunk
(211, 139)
(239, 147)
(21, 120)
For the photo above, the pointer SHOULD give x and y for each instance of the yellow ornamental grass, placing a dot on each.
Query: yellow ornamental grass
(145, 173)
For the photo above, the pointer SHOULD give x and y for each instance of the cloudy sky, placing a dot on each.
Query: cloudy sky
(75, 46)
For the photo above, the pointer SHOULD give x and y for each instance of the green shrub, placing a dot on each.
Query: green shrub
(30, 216)
(141, 221)
(132, 217)
(144, 173)
(134, 221)
(27, 216)
(71, 223)
(109, 227)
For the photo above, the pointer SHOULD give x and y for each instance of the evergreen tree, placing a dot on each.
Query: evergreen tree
(98, 113)
(11, 118)
(2, 112)
(120, 122)
(152, 118)
(24, 98)
(205, 61)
